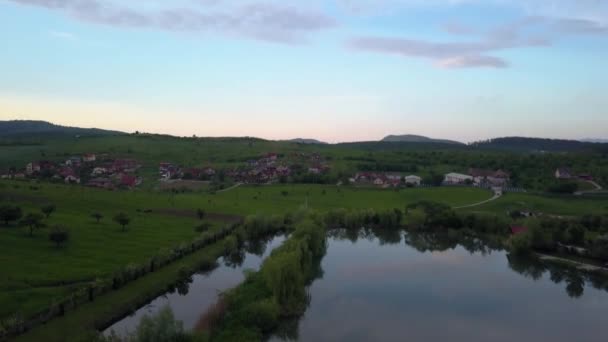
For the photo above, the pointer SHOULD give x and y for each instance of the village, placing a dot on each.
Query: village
(104, 172)
(93, 170)
(269, 168)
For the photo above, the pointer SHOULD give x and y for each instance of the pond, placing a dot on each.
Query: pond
(196, 296)
(396, 286)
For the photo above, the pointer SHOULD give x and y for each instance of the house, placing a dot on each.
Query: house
(457, 178)
(98, 171)
(128, 181)
(380, 181)
(413, 180)
(563, 173)
(72, 179)
(393, 177)
(314, 170)
(73, 161)
(31, 168)
(89, 157)
(585, 176)
(497, 178)
(102, 183)
(125, 165)
(272, 156)
(515, 230)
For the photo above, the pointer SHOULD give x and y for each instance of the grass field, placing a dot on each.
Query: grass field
(555, 205)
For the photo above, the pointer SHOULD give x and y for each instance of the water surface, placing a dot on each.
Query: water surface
(400, 287)
(196, 296)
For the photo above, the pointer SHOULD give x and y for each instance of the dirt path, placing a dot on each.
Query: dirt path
(494, 198)
(231, 188)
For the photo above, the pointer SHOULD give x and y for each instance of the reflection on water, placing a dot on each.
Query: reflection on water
(195, 294)
(383, 285)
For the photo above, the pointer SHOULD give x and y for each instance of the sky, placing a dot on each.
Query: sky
(334, 70)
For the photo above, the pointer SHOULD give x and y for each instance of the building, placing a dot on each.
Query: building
(497, 178)
(563, 173)
(515, 230)
(32, 168)
(73, 161)
(413, 180)
(98, 171)
(89, 158)
(457, 178)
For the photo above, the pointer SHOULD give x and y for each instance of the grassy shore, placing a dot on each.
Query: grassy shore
(77, 325)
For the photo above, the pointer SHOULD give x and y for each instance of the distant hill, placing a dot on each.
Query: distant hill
(417, 138)
(34, 129)
(595, 141)
(307, 141)
(536, 145)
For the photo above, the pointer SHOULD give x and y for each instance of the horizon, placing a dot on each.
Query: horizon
(335, 71)
(586, 139)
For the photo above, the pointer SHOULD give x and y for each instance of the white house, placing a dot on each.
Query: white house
(414, 180)
(563, 173)
(98, 171)
(395, 177)
(457, 178)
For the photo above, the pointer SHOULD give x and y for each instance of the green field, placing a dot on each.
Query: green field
(553, 205)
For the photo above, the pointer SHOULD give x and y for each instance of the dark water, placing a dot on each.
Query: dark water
(202, 291)
(400, 287)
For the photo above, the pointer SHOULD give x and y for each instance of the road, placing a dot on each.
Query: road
(496, 196)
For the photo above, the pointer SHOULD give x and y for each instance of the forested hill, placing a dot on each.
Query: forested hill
(418, 139)
(34, 129)
(538, 145)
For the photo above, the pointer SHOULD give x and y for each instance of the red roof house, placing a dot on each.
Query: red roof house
(518, 230)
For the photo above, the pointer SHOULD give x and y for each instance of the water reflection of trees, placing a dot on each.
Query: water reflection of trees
(528, 266)
(574, 279)
(421, 241)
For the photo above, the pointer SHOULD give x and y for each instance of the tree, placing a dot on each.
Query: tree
(47, 210)
(123, 220)
(200, 213)
(59, 235)
(33, 221)
(97, 216)
(203, 227)
(9, 213)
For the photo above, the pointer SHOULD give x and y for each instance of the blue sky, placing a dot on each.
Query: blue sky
(339, 70)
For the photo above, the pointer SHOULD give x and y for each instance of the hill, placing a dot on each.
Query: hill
(36, 129)
(595, 140)
(417, 138)
(537, 145)
(307, 141)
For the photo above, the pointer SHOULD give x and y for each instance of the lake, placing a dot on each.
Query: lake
(390, 285)
(404, 287)
(202, 291)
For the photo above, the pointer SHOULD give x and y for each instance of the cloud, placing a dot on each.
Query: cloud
(525, 32)
(276, 22)
(472, 62)
(447, 55)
